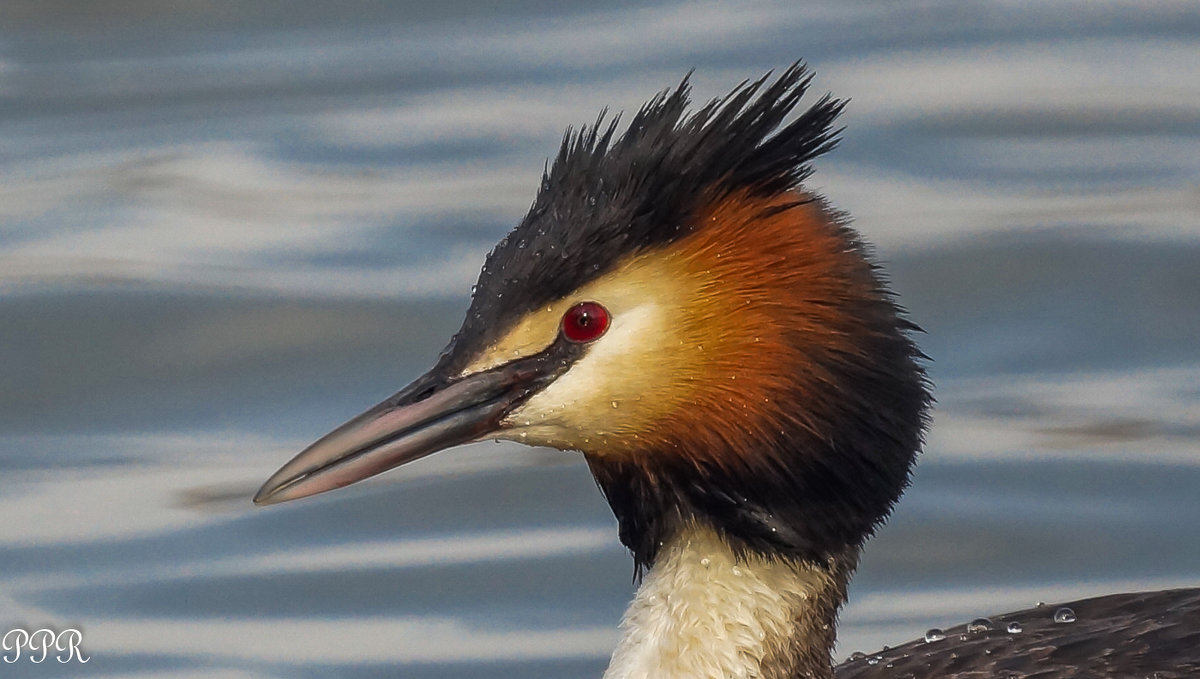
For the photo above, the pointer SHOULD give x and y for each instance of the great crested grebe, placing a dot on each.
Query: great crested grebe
(716, 341)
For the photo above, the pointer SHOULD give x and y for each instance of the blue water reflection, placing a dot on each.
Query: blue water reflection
(228, 226)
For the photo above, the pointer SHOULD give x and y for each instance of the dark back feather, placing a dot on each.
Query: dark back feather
(1145, 635)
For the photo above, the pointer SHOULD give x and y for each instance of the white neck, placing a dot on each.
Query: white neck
(704, 612)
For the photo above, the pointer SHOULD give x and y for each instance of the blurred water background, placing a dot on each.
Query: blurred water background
(225, 227)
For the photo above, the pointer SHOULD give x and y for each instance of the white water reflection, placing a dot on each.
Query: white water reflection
(1150, 415)
(396, 641)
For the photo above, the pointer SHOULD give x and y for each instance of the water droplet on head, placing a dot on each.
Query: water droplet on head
(858, 655)
(706, 562)
(979, 625)
(737, 572)
(874, 660)
(1014, 628)
(614, 404)
(933, 635)
(1064, 615)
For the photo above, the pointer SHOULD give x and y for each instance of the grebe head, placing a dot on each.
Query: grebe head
(712, 336)
(716, 341)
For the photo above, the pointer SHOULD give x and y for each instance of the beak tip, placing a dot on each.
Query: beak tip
(416, 422)
(269, 494)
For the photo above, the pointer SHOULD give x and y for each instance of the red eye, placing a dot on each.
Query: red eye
(585, 322)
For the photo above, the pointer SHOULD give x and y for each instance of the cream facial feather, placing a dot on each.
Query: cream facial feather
(627, 377)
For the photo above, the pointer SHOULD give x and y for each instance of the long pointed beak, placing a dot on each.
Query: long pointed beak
(429, 415)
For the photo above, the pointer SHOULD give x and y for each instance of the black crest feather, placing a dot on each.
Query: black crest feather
(607, 196)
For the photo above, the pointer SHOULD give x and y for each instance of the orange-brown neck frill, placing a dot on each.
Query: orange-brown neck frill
(796, 403)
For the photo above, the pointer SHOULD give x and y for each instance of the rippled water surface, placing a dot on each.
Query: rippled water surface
(225, 227)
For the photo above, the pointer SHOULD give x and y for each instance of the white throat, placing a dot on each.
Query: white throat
(702, 612)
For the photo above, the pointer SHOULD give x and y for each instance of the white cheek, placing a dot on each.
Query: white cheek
(590, 382)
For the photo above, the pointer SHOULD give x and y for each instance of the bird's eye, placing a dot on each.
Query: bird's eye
(585, 322)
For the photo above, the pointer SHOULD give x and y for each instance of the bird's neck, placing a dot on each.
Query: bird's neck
(705, 611)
